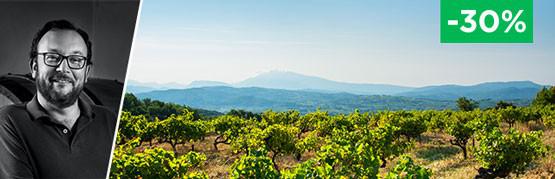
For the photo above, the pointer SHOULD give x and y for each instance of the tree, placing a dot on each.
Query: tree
(254, 164)
(133, 105)
(465, 104)
(545, 97)
(511, 115)
(412, 127)
(280, 139)
(285, 118)
(385, 141)
(461, 128)
(178, 129)
(338, 122)
(309, 121)
(244, 114)
(501, 154)
(251, 138)
(154, 108)
(154, 163)
(228, 128)
(502, 105)
(151, 131)
(131, 126)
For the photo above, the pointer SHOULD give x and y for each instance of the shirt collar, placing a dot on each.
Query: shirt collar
(37, 111)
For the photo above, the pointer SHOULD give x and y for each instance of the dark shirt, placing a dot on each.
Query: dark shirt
(32, 145)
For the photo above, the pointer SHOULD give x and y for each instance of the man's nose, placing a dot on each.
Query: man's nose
(64, 66)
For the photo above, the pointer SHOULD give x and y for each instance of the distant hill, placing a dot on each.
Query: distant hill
(491, 90)
(254, 99)
(295, 81)
(203, 83)
(494, 91)
(141, 87)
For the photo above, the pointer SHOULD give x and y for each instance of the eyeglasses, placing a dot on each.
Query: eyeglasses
(55, 59)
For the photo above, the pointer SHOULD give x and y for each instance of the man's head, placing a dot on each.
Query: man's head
(60, 61)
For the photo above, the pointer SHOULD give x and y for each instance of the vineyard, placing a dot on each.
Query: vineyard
(505, 141)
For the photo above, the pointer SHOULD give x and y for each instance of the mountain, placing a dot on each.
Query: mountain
(141, 87)
(223, 99)
(295, 81)
(513, 90)
(202, 83)
(259, 99)
(491, 90)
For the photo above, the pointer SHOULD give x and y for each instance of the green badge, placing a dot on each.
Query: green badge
(487, 21)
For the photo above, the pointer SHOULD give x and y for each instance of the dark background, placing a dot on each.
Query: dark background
(110, 25)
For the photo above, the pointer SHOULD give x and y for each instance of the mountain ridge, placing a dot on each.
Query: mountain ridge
(256, 99)
(295, 81)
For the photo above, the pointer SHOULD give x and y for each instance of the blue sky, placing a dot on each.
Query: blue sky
(394, 42)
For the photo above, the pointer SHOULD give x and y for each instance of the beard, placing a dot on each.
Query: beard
(54, 89)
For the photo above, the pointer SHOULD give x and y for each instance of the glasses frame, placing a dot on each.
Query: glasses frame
(62, 60)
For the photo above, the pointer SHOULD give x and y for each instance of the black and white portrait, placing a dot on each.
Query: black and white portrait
(62, 67)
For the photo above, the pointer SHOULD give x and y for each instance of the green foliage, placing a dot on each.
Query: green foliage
(251, 138)
(178, 129)
(228, 128)
(244, 114)
(461, 128)
(255, 164)
(406, 168)
(412, 127)
(152, 130)
(503, 104)
(511, 152)
(545, 97)
(309, 169)
(437, 120)
(547, 115)
(354, 145)
(286, 118)
(308, 143)
(465, 104)
(154, 163)
(484, 121)
(131, 126)
(338, 122)
(309, 121)
(154, 108)
(132, 104)
(354, 161)
(280, 139)
(385, 142)
(511, 115)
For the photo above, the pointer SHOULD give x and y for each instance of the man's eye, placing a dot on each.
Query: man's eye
(52, 58)
(75, 59)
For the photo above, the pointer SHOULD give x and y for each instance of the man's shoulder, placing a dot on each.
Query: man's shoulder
(12, 109)
(13, 115)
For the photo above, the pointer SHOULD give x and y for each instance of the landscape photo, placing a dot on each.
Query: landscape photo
(331, 89)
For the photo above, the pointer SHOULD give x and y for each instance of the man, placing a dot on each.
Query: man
(57, 135)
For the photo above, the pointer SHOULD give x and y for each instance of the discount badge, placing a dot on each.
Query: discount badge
(487, 21)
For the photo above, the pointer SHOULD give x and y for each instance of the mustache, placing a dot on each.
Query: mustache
(61, 77)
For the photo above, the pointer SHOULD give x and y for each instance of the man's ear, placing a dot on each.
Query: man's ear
(34, 67)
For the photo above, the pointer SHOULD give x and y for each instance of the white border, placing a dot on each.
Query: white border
(137, 20)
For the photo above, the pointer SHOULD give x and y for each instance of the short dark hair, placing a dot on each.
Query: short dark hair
(62, 25)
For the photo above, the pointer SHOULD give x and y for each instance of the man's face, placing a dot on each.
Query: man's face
(60, 85)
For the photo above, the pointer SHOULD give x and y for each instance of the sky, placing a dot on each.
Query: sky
(382, 42)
